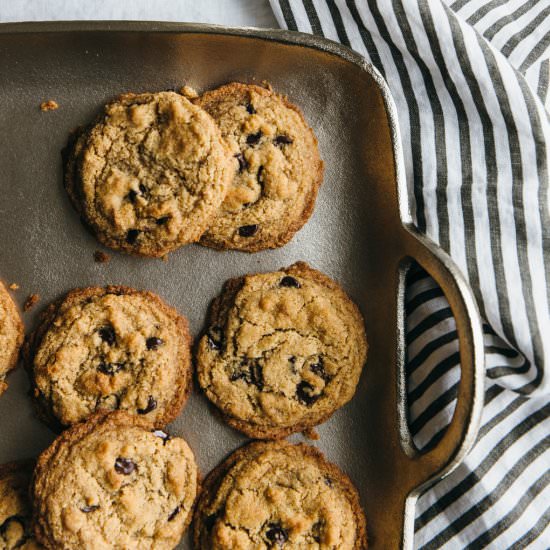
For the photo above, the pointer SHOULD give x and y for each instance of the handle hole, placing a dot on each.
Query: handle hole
(431, 374)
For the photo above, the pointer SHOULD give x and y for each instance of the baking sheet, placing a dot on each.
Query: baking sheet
(354, 229)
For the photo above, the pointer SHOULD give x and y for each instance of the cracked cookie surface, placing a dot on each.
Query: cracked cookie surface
(150, 174)
(278, 495)
(283, 351)
(278, 168)
(114, 482)
(109, 348)
(11, 335)
(15, 507)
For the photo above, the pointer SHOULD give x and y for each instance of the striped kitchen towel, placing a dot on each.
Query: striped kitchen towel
(470, 79)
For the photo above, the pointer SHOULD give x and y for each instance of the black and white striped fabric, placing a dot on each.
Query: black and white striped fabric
(470, 79)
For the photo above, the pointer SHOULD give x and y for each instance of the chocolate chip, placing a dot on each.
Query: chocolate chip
(162, 221)
(210, 521)
(304, 393)
(252, 374)
(328, 481)
(250, 108)
(163, 435)
(253, 139)
(107, 334)
(243, 163)
(319, 369)
(290, 282)
(143, 189)
(132, 196)
(125, 466)
(292, 359)
(173, 515)
(316, 531)
(151, 406)
(110, 368)
(215, 338)
(153, 343)
(283, 140)
(132, 235)
(88, 509)
(276, 534)
(248, 230)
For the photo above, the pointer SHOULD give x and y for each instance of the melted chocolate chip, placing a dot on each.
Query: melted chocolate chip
(304, 393)
(173, 515)
(283, 140)
(253, 139)
(276, 534)
(88, 509)
(328, 481)
(319, 369)
(125, 466)
(110, 368)
(107, 334)
(248, 230)
(250, 109)
(243, 163)
(316, 531)
(151, 406)
(163, 435)
(132, 235)
(253, 373)
(132, 196)
(215, 338)
(162, 221)
(290, 282)
(153, 343)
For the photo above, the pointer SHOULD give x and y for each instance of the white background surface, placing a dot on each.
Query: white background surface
(255, 13)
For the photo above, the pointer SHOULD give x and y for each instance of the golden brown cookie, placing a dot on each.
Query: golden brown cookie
(150, 174)
(114, 482)
(109, 348)
(278, 495)
(283, 351)
(278, 169)
(11, 335)
(15, 507)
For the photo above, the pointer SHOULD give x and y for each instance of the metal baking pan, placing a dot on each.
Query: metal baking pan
(361, 232)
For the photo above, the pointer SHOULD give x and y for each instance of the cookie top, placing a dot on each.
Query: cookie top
(11, 335)
(150, 174)
(278, 169)
(15, 508)
(278, 495)
(283, 351)
(109, 348)
(114, 482)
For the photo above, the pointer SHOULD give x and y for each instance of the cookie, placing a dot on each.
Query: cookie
(15, 508)
(283, 351)
(109, 348)
(278, 169)
(150, 174)
(11, 336)
(114, 482)
(278, 495)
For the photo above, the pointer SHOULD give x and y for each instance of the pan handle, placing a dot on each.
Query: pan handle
(462, 431)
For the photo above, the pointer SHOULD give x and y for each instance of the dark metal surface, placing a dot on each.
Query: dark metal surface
(360, 233)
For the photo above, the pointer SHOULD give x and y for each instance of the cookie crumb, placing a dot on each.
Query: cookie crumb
(50, 105)
(188, 92)
(310, 433)
(31, 301)
(164, 258)
(101, 257)
(267, 85)
(14, 286)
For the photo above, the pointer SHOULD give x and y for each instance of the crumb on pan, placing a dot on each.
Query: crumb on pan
(31, 301)
(310, 433)
(101, 257)
(50, 105)
(188, 92)
(14, 286)
(267, 85)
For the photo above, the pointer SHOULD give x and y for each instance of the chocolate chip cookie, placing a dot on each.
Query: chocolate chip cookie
(15, 508)
(150, 174)
(114, 482)
(278, 169)
(278, 495)
(109, 348)
(11, 335)
(283, 351)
